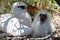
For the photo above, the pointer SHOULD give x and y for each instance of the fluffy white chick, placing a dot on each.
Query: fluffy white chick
(42, 25)
(18, 22)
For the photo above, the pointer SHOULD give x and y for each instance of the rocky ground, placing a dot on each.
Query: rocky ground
(56, 20)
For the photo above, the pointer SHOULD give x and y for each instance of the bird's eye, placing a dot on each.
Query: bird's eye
(44, 15)
(22, 7)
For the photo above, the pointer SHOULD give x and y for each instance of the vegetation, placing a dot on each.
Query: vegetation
(5, 5)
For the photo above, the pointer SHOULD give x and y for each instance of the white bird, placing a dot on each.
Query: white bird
(42, 25)
(18, 22)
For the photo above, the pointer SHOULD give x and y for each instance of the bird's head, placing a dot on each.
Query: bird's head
(44, 15)
(18, 7)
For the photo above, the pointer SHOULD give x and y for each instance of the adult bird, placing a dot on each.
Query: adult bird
(42, 25)
(18, 22)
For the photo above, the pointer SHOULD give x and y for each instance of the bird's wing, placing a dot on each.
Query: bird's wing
(4, 17)
(3, 20)
(15, 28)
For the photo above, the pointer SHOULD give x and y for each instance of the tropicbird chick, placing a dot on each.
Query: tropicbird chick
(18, 22)
(42, 25)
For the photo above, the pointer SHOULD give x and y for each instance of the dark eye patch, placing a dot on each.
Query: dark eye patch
(1, 32)
(43, 15)
(23, 7)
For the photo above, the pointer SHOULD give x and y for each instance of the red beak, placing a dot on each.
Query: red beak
(32, 7)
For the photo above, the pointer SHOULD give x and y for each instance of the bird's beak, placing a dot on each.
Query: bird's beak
(31, 8)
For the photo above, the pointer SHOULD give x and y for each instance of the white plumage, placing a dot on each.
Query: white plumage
(42, 29)
(18, 22)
